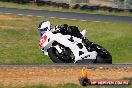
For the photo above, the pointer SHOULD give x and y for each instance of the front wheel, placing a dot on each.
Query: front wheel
(57, 57)
(53, 54)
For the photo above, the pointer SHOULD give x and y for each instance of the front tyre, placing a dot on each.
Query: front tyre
(53, 54)
(57, 57)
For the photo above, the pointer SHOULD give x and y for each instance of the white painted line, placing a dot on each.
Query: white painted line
(97, 21)
(63, 18)
(8, 13)
(39, 16)
(52, 17)
(29, 15)
(73, 19)
(20, 14)
(83, 20)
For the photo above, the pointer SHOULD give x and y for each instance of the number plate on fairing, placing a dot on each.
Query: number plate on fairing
(42, 40)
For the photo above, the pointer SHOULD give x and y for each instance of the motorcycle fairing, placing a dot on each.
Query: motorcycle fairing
(65, 40)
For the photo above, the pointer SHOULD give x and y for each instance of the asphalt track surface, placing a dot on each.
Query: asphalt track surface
(89, 66)
(67, 15)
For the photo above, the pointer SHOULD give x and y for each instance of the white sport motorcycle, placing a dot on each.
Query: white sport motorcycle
(69, 49)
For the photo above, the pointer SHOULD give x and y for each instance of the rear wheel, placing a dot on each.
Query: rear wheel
(103, 55)
(101, 59)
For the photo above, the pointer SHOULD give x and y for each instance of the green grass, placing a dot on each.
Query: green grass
(70, 85)
(51, 8)
(20, 46)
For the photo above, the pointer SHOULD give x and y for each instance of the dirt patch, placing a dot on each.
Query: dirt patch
(13, 28)
(13, 18)
(54, 76)
(9, 27)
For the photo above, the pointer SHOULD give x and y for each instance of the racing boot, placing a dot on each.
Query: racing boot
(84, 33)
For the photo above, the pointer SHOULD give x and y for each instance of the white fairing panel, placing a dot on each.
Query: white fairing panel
(63, 39)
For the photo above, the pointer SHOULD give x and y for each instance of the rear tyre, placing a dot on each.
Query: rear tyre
(103, 55)
(102, 60)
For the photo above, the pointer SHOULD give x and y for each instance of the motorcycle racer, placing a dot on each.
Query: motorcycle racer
(65, 30)
(71, 30)
(74, 31)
